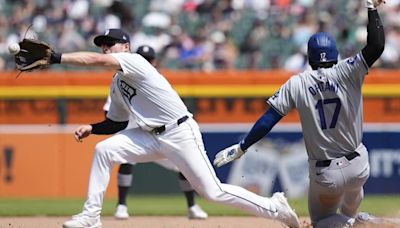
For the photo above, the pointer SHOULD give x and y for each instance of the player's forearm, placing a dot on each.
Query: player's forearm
(108, 127)
(375, 38)
(263, 125)
(89, 59)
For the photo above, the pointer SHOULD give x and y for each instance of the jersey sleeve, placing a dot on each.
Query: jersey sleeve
(282, 101)
(107, 104)
(133, 64)
(353, 69)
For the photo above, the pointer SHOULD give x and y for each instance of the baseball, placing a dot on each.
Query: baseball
(13, 48)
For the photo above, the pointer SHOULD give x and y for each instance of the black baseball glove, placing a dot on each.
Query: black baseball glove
(35, 55)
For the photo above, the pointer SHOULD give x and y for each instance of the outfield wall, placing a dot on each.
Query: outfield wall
(45, 161)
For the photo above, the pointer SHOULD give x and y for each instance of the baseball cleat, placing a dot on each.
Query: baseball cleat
(121, 212)
(285, 213)
(195, 212)
(83, 221)
(363, 218)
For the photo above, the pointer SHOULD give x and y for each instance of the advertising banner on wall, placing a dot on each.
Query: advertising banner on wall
(279, 161)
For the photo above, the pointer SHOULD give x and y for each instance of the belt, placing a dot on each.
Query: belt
(159, 130)
(326, 163)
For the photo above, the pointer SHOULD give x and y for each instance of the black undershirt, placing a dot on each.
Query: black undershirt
(108, 127)
(375, 38)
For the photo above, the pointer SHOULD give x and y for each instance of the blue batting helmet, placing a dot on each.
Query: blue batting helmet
(322, 49)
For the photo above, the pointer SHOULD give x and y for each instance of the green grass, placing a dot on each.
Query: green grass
(170, 205)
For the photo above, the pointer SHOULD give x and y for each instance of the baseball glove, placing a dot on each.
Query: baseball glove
(33, 55)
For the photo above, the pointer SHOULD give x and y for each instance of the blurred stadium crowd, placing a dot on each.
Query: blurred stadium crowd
(201, 34)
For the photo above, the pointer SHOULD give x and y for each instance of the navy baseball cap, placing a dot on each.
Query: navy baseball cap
(147, 52)
(112, 35)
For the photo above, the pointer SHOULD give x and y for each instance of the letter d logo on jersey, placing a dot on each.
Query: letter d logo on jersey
(127, 90)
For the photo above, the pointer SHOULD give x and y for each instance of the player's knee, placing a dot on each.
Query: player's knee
(101, 149)
(211, 195)
(329, 200)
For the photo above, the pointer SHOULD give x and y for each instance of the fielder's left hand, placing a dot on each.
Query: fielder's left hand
(82, 132)
(227, 155)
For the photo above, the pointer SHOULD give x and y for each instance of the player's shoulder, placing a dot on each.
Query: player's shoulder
(352, 60)
(125, 55)
(347, 61)
(295, 81)
(305, 75)
(133, 60)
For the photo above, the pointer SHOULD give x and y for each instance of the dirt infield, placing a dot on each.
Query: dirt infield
(145, 222)
(169, 222)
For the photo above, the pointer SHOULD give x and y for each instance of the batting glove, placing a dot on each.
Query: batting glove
(227, 155)
(372, 4)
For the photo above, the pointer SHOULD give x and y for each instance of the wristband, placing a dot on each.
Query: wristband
(55, 58)
(241, 146)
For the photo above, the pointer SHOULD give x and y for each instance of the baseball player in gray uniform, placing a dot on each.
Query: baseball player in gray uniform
(125, 170)
(166, 131)
(329, 101)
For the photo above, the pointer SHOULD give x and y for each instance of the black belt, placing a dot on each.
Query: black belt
(161, 129)
(326, 163)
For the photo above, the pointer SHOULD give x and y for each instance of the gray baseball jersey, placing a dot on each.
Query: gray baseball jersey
(329, 102)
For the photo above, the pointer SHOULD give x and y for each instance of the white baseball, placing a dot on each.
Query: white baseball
(13, 48)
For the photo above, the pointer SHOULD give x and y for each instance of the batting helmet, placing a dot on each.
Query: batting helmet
(322, 50)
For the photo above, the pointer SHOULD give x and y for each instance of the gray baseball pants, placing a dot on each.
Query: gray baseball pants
(337, 185)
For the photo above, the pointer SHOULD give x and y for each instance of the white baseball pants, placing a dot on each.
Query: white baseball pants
(183, 146)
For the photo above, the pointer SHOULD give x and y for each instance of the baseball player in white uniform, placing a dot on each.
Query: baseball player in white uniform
(166, 131)
(125, 170)
(329, 101)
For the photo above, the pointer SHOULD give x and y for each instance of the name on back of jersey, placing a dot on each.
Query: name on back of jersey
(327, 86)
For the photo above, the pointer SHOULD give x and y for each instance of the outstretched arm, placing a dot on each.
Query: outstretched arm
(90, 59)
(376, 35)
(37, 55)
(261, 128)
